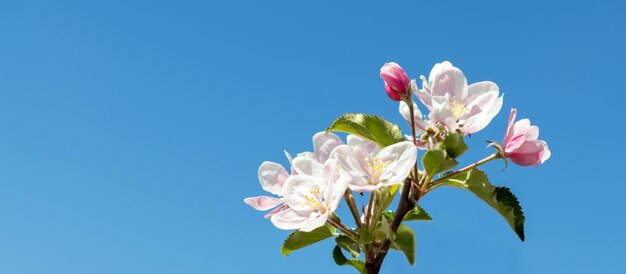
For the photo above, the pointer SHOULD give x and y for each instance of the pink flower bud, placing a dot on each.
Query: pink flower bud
(521, 145)
(396, 81)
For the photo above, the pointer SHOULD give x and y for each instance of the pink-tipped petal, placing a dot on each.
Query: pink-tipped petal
(528, 154)
(509, 130)
(263, 203)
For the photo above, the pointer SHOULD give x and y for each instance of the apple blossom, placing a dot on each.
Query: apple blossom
(370, 167)
(396, 81)
(521, 145)
(314, 193)
(457, 105)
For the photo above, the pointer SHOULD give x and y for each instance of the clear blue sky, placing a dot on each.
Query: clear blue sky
(130, 131)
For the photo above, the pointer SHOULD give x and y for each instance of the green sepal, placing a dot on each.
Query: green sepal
(454, 145)
(499, 198)
(300, 239)
(341, 259)
(371, 127)
(348, 244)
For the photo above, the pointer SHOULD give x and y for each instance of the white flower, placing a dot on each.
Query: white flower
(273, 176)
(457, 105)
(314, 193)
(370, 168)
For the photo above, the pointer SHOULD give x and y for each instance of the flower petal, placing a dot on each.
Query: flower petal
(300, 191)
(448, 81)
(307, 166)
(518, 138)
(314, 222)
(272, 176)
(476, 89)
(443, 113)
(509, 130)
(323, 144)
(528, 154)
(263, 203)
(401, 158)
(482, 110)
(288, 219)
(354, 176)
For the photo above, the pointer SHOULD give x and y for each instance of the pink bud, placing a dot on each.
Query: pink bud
(396, 81)
(521, 144)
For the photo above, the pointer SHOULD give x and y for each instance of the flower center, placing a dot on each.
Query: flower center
(375, 168)
(314, 201)
(458, 108)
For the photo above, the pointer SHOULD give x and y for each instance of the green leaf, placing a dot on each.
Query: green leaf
(386, 229)
(454, 145)
(417, 214)
(385, 196)
(405, 242)
(435, 162)
(365, 237)
(340, 259)
(371, 127)
(499, 198)
(299, 239)
(348, 244)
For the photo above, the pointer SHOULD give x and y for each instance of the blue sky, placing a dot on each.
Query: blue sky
(130, 131)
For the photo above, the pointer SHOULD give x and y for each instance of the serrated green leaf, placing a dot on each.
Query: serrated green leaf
(341, 259)
(348, 244)
(499, 198)
(417, 214)
(371, 127)
(405, 242)
(435, 162)
(454, 145)
(300, 239)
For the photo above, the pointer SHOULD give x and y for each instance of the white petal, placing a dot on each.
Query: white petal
(360, 149)
(476, 89)
(307, 154)
(314, 222)
(288, 219)
(546, 152)
(335, 192)
(443, 113)
(401, 158)
(263, 203)
(307, 166)
(363, 186)
(298, 191)
(448, 81)
(482, 110)
(323, 144)
(354, 176)
(272, 176)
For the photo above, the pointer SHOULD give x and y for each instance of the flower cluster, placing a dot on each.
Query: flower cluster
(377, 160)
